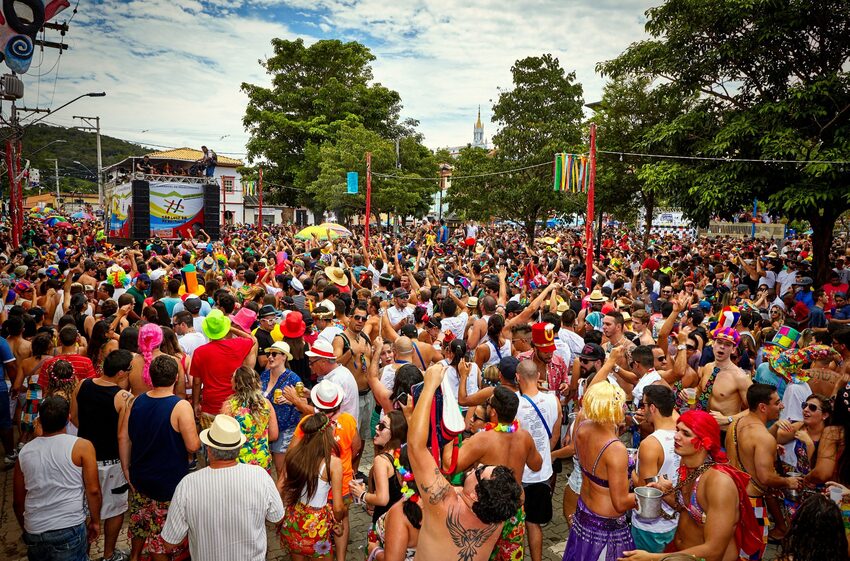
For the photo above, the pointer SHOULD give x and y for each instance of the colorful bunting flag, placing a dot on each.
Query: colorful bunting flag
(571, 173)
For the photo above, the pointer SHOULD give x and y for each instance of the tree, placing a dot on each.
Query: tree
(315, 90)
(626, 117)
(404, 197)
(540, 116)
(773, 84)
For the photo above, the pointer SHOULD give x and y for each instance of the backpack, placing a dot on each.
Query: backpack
(213, 156)
(446, 422)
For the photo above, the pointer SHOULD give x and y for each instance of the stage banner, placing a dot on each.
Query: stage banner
(175, 208)
(121, 212)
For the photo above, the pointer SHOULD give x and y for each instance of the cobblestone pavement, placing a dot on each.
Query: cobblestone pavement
(554, 540)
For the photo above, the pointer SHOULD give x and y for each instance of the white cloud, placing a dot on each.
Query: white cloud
(173, 68)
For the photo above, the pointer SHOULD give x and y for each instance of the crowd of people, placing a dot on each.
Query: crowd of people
(693, 396)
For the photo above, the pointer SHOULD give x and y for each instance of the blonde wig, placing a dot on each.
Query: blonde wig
(603, 403)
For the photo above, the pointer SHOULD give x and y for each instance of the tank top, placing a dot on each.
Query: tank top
(158, 457)
(394, 492)
(670, 468)
(496, 353)
(323, 489)
(54, 484)
(98, 418)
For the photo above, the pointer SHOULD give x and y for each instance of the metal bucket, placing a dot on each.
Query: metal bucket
(648, 502)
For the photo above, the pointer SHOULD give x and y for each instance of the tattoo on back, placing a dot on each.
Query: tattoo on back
(468, 540)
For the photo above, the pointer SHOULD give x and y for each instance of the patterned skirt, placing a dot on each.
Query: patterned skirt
(509, 546)
(308, 531)
(30, 412)
(597, 538)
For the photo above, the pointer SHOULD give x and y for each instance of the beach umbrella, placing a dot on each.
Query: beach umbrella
(339, 229)
(321, 233)
(52, 220)
(63, 224)
(82, 216)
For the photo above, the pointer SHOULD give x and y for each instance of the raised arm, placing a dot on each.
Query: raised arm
(429, 479)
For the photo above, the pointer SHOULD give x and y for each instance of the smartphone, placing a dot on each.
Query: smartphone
(400, 401)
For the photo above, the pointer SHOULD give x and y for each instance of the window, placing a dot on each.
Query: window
(228, 182)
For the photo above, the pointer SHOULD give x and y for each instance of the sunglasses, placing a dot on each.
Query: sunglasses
(811, 407)
(475, 417)
(361, 318)
(272, 355)
(691, 347)
(479, 470)
(662, 358)
(382, 426)
(585, 360)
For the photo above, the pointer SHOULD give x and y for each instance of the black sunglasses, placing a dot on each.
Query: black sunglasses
(811, 407)
(382, 426)
(361, 318)
(479, 470)
(475, 417)
(691, 347)
(271, 355)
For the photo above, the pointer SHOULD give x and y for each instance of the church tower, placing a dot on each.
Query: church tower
(478, 132)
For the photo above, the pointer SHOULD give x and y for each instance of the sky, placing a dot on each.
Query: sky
(172, 69)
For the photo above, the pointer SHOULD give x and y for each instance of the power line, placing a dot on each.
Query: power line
(723, 159)
(456, 177)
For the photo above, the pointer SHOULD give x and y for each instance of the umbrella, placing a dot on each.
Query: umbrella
(82, 216)
(62, 224)
(321, 233)
(53, 220)
(341, 230)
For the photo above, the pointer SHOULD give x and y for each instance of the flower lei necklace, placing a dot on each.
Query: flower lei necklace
(406, 475)
(501, 427)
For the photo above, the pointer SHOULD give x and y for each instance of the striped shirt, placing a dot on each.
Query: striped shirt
(224, 511)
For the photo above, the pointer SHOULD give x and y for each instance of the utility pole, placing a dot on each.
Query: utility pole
(96, 128)
(56, 171)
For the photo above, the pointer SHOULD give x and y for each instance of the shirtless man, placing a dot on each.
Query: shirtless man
(354, 351)
(502, 443)
(21, 348)
(89, 275)
(457, 523)
(722, 389)
(752, 448)
(712, 519)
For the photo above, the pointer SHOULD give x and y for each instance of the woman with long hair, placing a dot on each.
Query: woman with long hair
(312, 472)
(254, 412)
(171, 346)
(149, 341)
(277, 376)
(802, 440)
(30, 367)
(101, 343)
(816, 533)
(599, 523)
(384, 488)
(395, 534)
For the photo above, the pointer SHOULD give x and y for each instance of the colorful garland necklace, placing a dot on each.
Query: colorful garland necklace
(501, 427)
(406, 475)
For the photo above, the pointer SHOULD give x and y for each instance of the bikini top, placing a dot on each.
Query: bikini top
(591, 475)
(693, 508)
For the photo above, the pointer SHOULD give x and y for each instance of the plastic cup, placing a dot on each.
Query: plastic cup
(836, 494)
(691, 394)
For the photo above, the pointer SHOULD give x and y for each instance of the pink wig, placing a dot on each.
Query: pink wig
(150, 338)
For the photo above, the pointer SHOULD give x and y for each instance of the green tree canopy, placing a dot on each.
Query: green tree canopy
(405, 197)
(626, 117)
(540, 116)
(773, 83)
(314, 91)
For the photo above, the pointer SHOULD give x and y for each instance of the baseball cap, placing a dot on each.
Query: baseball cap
(400, 293)
(592, 351)
(742, 288)
(192, 305)
(513, 307)
(507, 367)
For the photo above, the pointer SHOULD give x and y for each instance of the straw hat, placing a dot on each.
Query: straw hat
(224, 434)
(336, 275)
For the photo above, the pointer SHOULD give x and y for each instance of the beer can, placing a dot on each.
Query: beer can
(299, 387)
(278, 393)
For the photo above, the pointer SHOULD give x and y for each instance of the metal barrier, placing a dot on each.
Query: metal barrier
(743, 230)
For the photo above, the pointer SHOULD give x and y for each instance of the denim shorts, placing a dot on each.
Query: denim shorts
(280, 445)
(67, 544)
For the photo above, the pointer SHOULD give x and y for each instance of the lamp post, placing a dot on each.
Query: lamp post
(57, 141)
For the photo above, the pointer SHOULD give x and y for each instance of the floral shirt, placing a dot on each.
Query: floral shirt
(256, 429)
(287, 415)
(557, 372)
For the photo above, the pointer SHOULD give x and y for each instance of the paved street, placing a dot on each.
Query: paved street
(13, 549)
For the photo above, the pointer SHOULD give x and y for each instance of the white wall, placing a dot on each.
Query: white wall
(230, 201)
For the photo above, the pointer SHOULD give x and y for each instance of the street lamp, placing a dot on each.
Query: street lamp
(49, 111)
(82, 165)
(58, 140)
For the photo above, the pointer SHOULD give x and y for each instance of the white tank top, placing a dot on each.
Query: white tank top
(320, 497)
(495, 357)
(670, 468)
(54, 484)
